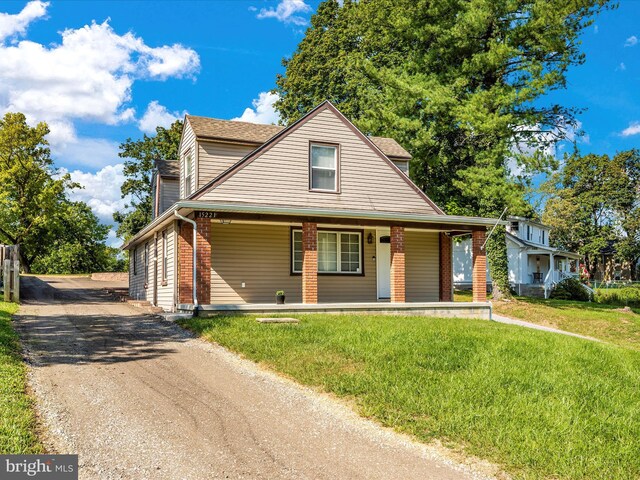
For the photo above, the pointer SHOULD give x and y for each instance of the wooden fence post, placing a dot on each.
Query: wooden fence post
(6, 270)
(16, 281)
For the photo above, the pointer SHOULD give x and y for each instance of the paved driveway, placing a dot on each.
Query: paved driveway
(137, 397)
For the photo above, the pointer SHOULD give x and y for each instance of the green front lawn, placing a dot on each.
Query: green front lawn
(17, 418)
(541, 405)
(605, 322)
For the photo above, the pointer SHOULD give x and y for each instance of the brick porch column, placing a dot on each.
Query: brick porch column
(397, 265)
(185, 263)
(446, 270)
(309, 263)
(203, 260)
(479, 276)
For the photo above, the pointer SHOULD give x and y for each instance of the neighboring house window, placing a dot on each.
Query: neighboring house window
(543, 241)
(135, 261)
(324, 168)
(188, 168)
(164, 256)
(338, 252)
(529, 234)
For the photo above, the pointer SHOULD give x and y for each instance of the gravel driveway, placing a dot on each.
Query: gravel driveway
(137, 397)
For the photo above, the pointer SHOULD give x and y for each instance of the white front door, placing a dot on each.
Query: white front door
(383, 263)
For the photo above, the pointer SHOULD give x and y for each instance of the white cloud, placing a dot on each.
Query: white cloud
(101, 190)
(632, 129)
(263, 110)
(596, 29)
(87, 77)
(92, 153)
(11, 25)
(157, 116)
(286, 12)
(622, 67)
(632, 41)
(113, 240)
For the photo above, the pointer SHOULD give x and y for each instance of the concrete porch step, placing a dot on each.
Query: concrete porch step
(145, 306)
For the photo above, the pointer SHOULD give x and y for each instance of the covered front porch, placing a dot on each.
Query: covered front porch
(546, 267)
(326, 263)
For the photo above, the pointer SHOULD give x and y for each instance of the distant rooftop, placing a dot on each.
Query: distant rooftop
(168, 168)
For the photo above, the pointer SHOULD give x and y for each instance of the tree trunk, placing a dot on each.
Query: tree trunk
(25, 265)
(499, 263)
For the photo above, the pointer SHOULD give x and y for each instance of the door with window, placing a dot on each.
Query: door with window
(383, 263)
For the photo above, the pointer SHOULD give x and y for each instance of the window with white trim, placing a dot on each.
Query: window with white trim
(135, 261)
(165, 263)
(324, 168)
(338, 252)
(188, 168)
(146, 261)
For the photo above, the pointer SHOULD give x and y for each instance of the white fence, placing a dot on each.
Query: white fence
(10, 279)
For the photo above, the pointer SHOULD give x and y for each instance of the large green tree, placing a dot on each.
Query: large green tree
(595, 199)
(54, 234)
(140, 156)
(75, 243)
(30, 189)
(459, 83)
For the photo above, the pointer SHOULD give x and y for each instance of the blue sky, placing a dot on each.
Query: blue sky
(101, 71)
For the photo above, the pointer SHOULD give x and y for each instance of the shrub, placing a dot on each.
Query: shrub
(570, 289)
(626, 296)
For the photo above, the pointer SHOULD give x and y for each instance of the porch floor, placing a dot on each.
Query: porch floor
(434, 309)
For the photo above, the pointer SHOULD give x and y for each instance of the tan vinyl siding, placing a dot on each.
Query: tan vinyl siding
(215, 158)
(422, 260)
(280, 176)
(169, 193)
(165, 292)
(188, 144)
(136, 282)
(259, 256)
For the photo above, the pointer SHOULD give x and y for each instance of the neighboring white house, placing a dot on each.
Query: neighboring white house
(534, 266)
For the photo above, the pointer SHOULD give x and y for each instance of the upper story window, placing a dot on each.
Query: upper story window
(543, 237)
(188, 173)
(529, 233)
(323, 167)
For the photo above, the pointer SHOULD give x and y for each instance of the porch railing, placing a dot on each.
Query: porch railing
(556, 276)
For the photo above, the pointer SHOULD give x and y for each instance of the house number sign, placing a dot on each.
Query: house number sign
(200, 214)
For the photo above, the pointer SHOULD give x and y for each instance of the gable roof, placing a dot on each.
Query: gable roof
(206, 128)
(168, 168)
(291, 128)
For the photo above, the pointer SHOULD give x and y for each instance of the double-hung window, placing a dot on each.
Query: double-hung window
(323, 168)
(188, 169)
(165, 264)
(338, 252)
(135, 261)
(146, 261)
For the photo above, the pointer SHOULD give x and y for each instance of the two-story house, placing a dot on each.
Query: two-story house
(534, 266)
(317, 209)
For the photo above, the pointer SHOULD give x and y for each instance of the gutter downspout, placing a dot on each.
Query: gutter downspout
(195, 230)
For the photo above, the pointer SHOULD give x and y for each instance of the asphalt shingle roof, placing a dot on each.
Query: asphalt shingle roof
(168, 168)
(245, 132)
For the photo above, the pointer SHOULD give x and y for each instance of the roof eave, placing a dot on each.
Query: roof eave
(426, 219)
